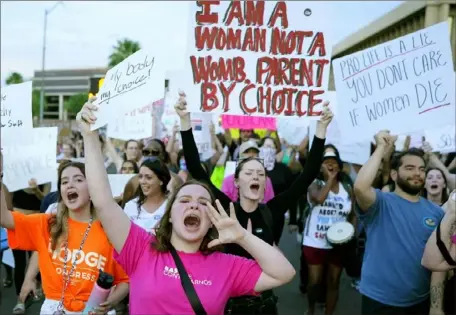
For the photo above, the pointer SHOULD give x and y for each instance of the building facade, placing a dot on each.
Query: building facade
(407, 18)
(59, 85)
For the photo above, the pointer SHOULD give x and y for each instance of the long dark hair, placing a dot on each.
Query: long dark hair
(162, 240)
(445, 194)
(161, 171)
(58, 228)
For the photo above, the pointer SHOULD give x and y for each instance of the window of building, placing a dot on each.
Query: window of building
(51, 108)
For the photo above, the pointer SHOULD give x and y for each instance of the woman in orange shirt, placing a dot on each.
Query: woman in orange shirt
(71, 244)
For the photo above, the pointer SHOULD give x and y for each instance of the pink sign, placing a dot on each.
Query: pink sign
(248, 122)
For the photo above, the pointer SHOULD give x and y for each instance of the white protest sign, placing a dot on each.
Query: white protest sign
(402, 85)
(16, 108)
(356, 153)
(201, 123)
(416, 140)
(442, 139)
(136, 124)
(29, 154)
(261, 58)
(136, 82)
(118, 183)
(293, 129)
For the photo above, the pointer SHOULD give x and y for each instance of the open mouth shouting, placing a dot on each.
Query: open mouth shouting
(72, 197)
(255, 188)
(192, 221)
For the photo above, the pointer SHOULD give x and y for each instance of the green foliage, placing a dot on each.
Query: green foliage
(123, 49)
(75, 102)
(14, 78)
(36, 103)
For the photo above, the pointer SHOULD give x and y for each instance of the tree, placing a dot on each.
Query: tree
(75, 102)
(122, 50)
(36, 103)
(14, 78)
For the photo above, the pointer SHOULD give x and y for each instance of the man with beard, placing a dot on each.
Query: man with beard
(397, 224)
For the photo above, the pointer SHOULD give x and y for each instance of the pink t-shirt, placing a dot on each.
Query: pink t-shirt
(231, 191)
(453, 239)
(155, 286)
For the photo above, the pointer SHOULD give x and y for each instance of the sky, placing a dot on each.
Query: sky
(81, 34)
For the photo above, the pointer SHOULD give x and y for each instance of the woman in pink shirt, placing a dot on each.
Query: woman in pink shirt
(189, 233)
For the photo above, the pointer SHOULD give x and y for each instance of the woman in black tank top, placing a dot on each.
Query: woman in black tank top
(250, 178)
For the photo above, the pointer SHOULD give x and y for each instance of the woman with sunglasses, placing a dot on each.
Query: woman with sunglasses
(154, 150)
(250, 179)
(186, 239)
(148, 208)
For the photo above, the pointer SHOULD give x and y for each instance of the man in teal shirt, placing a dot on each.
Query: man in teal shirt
(398, 225)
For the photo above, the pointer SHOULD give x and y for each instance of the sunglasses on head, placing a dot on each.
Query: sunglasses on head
(146, 152)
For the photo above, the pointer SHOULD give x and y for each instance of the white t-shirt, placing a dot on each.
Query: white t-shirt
(336, 208)
(148, 221)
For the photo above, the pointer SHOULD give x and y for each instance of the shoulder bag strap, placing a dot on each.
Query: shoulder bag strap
(443, 249)
(188, 285)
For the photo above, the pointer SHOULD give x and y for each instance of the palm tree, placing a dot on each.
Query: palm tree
(122, 50)
(14, 78)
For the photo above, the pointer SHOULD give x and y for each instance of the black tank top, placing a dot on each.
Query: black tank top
(26, 201)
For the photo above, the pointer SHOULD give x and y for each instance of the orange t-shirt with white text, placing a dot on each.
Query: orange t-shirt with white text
(32, 233)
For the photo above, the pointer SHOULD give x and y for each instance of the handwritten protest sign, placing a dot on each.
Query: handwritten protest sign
(402, 85)
(137, 81)
(201, 123)
(29, 154)
(259, 58)
(16, 108)
(442, 139)
(248, 122)
(136, 124)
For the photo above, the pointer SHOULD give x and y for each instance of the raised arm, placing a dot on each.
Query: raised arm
(290, 197)
(364, 192)
(191, 154)
(434, 161)
(115, 222)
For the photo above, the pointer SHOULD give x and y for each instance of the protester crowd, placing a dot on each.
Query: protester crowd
(184, 239)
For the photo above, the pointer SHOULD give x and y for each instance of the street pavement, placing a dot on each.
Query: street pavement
(291, 301)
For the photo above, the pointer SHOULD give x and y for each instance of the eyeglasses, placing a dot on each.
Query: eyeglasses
(150, 152)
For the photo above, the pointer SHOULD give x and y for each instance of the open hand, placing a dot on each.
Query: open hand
(228, 227)
(86, 116)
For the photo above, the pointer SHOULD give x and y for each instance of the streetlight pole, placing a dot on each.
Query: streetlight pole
(43, 58)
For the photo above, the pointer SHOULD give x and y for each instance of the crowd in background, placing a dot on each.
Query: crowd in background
(394, 202)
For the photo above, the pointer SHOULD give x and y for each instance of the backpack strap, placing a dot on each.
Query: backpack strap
(443, 250)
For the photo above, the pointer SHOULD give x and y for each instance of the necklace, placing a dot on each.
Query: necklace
(60, 310)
